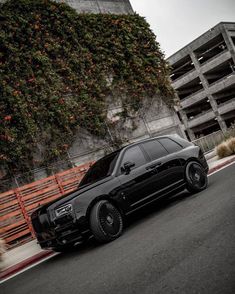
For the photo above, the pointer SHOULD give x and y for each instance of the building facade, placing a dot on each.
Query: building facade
(203, 75)
(100, 6)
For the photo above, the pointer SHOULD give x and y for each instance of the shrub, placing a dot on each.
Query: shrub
(223, 150)
(231, 144)
(55, 66)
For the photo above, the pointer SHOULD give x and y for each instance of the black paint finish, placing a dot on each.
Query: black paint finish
(149, 175)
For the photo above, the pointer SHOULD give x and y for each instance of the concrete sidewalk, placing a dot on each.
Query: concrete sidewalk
(25, 255)
(18, 258)
(216, 163)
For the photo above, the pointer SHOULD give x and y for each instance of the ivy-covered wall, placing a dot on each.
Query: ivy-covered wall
(56, 70)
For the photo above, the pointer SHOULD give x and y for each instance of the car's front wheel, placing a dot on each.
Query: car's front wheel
(196, 177)
(106, 221)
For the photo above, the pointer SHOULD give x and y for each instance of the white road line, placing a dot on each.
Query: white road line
(29, 267)
(221, 168)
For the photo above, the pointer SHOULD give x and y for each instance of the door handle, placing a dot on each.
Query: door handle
(154, 166)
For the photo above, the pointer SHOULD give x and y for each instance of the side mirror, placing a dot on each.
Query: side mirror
(127, 167)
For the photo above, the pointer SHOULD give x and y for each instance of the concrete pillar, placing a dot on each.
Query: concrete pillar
(222, 123)
(191, 134)
(212, 101)
(183, 117)
(229, 43)
(185, 121)
(178, 122)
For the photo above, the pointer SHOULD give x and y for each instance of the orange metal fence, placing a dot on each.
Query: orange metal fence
(17, 205)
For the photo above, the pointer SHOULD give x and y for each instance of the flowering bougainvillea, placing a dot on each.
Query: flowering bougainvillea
(54, 74)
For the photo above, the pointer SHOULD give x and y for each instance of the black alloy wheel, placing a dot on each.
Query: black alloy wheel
(196, 177)
(106, 222)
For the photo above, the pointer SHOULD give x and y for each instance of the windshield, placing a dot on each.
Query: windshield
(101, 169)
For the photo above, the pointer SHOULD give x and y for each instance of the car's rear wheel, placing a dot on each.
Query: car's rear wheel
(196, 177)
(106, 221)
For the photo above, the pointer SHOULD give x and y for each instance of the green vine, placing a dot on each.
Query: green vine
(55, 67)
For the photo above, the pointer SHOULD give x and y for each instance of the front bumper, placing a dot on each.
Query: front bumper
(63, 238)
(60, 233)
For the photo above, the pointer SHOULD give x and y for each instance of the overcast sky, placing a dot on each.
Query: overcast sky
(178, 22)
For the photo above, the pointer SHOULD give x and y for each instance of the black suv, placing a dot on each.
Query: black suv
(117, 185)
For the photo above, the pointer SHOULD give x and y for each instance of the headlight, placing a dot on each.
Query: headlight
(63, 210)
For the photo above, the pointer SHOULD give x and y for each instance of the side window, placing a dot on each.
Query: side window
(135, 155)
(170, 145)
(154, 149)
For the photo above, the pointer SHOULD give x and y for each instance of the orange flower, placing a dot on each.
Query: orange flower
(7, 118)
(31, 80)
(2, 157)
(15, 93)
(61, 101)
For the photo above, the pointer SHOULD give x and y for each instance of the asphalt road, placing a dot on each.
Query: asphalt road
(182, 245)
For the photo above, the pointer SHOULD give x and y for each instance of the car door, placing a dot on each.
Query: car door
(176, 169)
(166, 167)
(135, 184)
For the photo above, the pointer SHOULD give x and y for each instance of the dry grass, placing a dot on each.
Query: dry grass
(223, 150)
(231, 144)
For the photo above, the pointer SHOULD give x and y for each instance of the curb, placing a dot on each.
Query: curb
(217, 167)
(25, 263)
(39, 256)
(210, 154)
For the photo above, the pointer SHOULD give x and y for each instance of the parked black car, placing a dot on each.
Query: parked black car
(117, 185)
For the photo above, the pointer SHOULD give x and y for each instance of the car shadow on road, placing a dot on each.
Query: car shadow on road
(159, 206)
(131, 222)
(156, 207)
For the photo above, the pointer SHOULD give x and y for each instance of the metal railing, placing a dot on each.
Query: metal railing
(209, 142)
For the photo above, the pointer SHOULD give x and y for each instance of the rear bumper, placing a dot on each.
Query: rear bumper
(204, 163)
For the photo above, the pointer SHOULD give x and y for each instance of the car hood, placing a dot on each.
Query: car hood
(69, 196)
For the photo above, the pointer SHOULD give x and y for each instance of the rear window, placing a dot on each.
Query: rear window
(170, 145)
(154, 149)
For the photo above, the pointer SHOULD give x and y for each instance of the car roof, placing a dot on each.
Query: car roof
(174, 137)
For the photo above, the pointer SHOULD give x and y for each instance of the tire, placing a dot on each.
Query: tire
(106, 222)
(195, 177)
